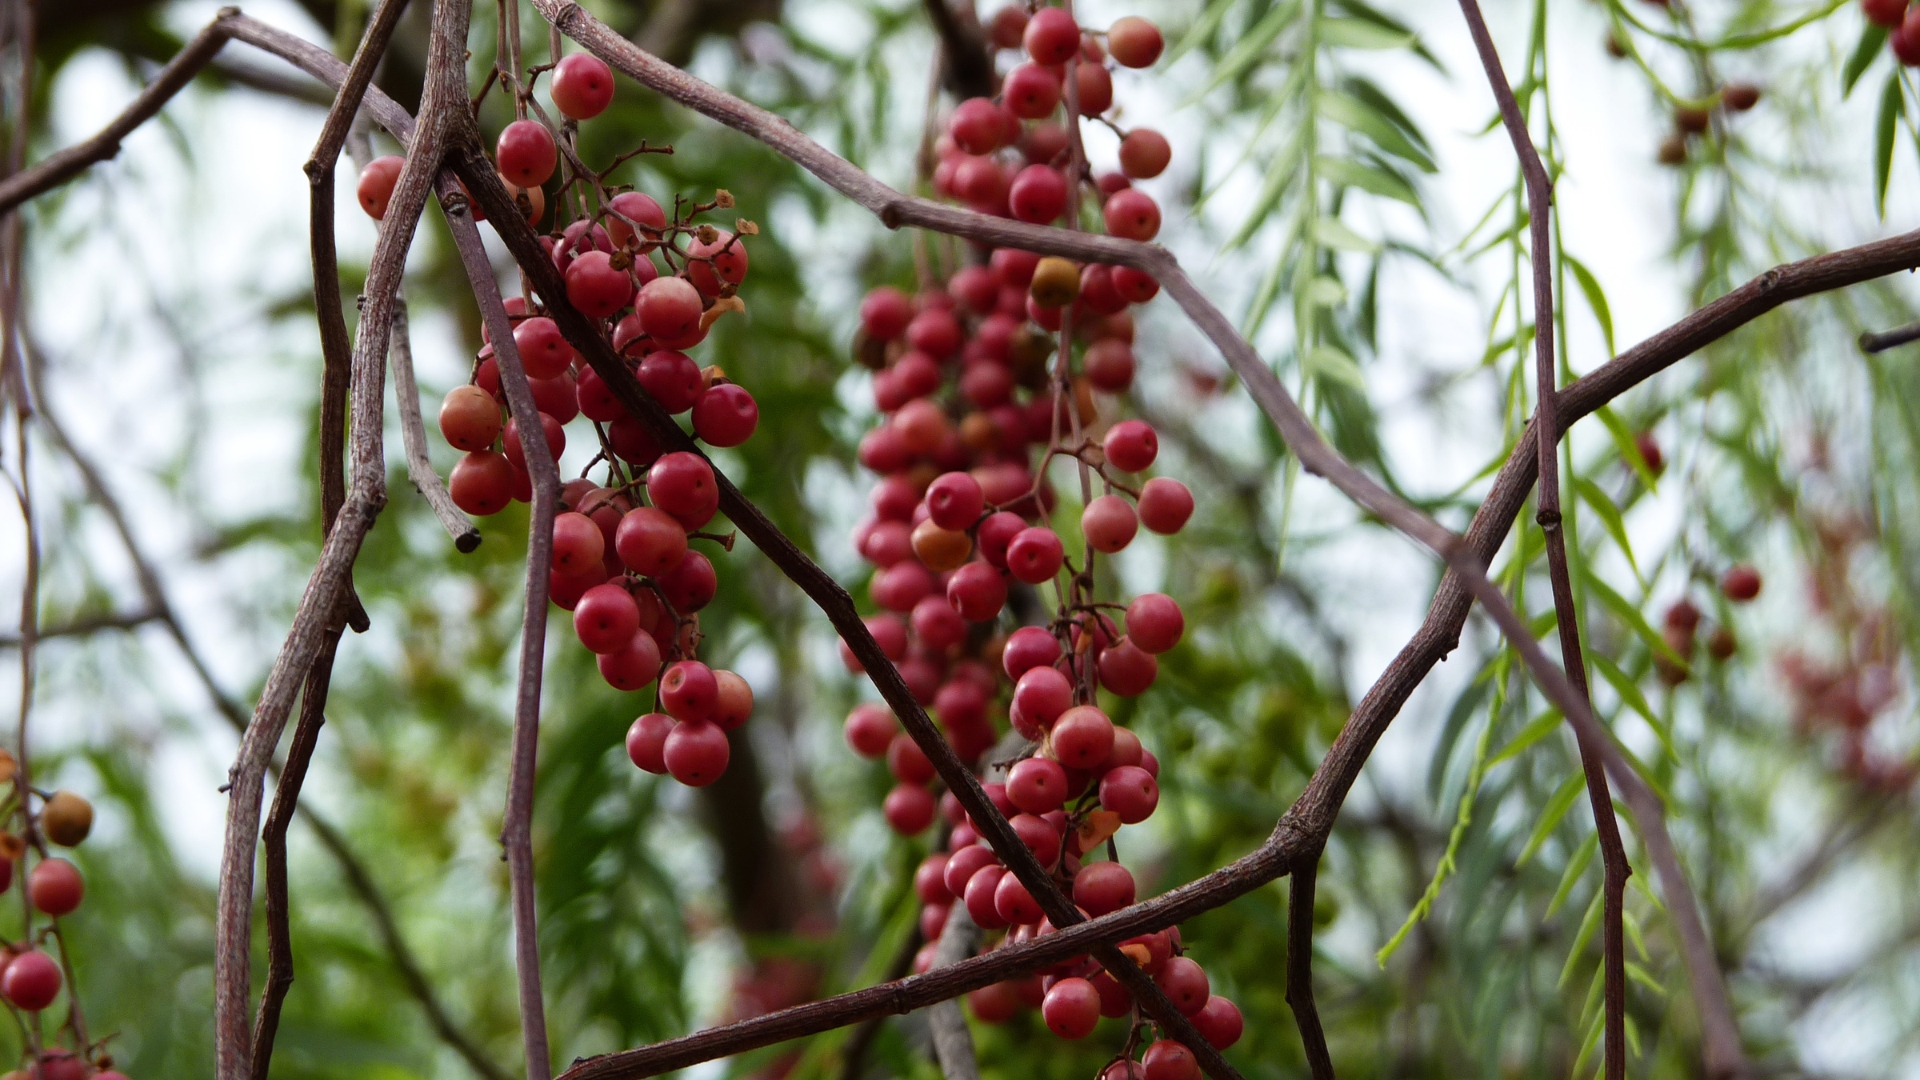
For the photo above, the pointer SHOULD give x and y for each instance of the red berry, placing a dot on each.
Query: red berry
(954, 501)
(963, 864)
(1144, 154)
(1082, 737)
(1028, 648)
(1185, 983)
(696, 752)
(1015, 904)
(375, 189)
(1037, 785)
(634, 666)
(582, 86)
(55, 886)
(669, 309)
(1098, 297)
(1103, 887)
(596, 287)
(672, 378)
(1038, 194)
(1906, 44)
(1040, 836)
(682, 484)
(526, 154)
(1741, 584)
(1051, 37)
(1884, 12)
(557, 397)
(516, 454)
(1043, 693)
(713, 266)
(1014, 267)
(937, 625)
(1169, 1060)
(907, 762)
(1032, 92)
(976, 126)
(1109, 365)
(929, 880)
(1095, 87)
(1131, 445)
(691, 585)
(1135, 42)
(649, 541)
(689, 691)
(982, 895)
(481, 483)
(735, 700)
(935, 332)
(577, 239)
(870, 730)
(544, 352)
(1155, 623)
(577, 543)
(909, 809)
(1072, 1007)
(32, 981)
(725, 415)
(1134, 286)
(977, 592)
(606, 618)
(647, 742)
(1132, 215)
(1008, 24)
(1126, 670)
(1131, 792)
(1035, 555)
(900, 586)
(996, 535)
(1165, 505)
(470, 419)
(885, 312)
(1109, 523)
(1219, 1022)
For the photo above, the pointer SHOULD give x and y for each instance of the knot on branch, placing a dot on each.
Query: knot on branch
(1548, 519)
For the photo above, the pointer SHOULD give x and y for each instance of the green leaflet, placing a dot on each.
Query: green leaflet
(1361, 34)
(1596, 299)
(1623, 441)
(1616, 526)
(1355, 114)
(1334, 233)
(1873, 42)
(1368, 178)
(1556, 811)
(1631, 615)
(1893, 106)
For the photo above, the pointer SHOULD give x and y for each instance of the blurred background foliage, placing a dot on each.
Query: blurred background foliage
(1333, 204)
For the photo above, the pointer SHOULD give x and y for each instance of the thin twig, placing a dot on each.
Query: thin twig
(952, 1042)
(155, 596)
(441, 101)
(517, 829)
(1881, 342)
(67, 163)
(84, 625)
(1306, 1015)
(413, 434)
(1613, 853)
(286, 797)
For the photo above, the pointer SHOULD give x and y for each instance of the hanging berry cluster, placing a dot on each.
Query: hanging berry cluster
(622, 558)
(984, 380)
(34, 969)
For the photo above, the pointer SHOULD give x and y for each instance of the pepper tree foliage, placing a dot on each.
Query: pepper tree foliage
(1458, 909)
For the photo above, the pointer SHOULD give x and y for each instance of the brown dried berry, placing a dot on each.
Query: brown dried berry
(1740, 96)
(66, 819)
(1691, 120)
(1673, 149)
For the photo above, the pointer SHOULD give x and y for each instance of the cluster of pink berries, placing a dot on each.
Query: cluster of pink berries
(622, 561)
(1008, 157)
(31, 978)
(974, 377)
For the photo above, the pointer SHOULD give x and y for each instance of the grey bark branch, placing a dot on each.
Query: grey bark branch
(952, 1042)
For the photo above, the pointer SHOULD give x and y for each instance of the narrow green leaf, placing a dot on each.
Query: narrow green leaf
(1454, 839)
(1576, 866)
(1355, 114)
(1538, 728)
(1873, 42)
(1327, 292)
(1203, 28)
(1630, 693)
(1589, 923)
(1596, 299)
(1892, 106)
(1629, 449)
(1616, 526)
(1334, 233)
(1248, 50)
(1367, 178)
(1550, 819)
(1328, 362)
(1631, 615)
(1361, 34)
(1645, 978)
